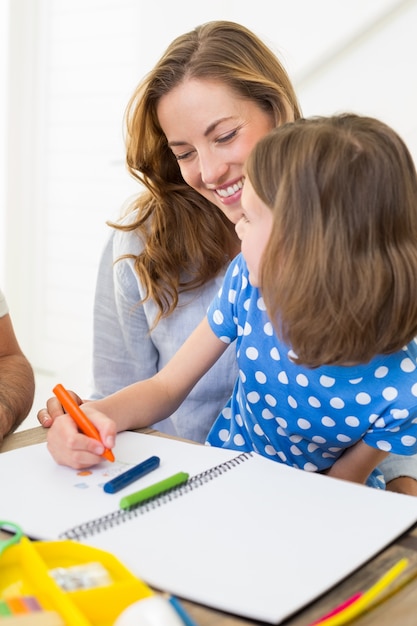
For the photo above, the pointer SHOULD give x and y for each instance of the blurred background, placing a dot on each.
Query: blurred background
(67, 70)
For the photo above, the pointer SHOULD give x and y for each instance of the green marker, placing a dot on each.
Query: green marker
(153, 490)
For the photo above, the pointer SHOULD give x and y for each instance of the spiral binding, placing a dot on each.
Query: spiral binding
(93, 527)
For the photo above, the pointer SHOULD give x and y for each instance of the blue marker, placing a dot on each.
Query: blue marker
(131, 475)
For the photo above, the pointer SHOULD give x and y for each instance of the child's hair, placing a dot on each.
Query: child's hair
(339, 273)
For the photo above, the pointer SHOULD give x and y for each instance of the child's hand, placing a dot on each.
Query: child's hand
(70, 447)
(53, 410)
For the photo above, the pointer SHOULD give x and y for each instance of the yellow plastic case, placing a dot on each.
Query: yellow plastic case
(24, 571)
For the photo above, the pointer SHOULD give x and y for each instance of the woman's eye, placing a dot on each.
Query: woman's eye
(228, 137)
(183, 156)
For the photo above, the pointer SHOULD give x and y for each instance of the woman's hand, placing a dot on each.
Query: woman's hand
(70, 447)
(53, 410)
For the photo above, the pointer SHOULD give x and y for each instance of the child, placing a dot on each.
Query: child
(327, 359)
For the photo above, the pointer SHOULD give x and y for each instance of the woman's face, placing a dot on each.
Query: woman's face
(211, 131)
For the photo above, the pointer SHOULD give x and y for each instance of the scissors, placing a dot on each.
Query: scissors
(9, 527)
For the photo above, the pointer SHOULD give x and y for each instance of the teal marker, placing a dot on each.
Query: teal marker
(153, 490)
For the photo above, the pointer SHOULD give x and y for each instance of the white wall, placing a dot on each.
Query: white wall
(72, 65)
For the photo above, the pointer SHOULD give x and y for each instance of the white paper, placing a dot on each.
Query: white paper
(261, 540)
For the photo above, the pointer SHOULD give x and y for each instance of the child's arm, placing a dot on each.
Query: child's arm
(356, 463)
(138, 405)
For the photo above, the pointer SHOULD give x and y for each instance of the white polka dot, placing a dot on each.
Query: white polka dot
(283, 378)
(327, 455)
(381, 372)
(351, 420)
(407, 365)
(275, 355)
(312, 447)
(242, 376)
(414, 389)
(314, 402)
(384, 445)
(408, 440)
(260, 377)
(267, 414)
(303, 424)
(343, 438)
(372, 418)
(247, 330)
(238, 440)
(258, 430)
(235, 270)
(270, 450)
(225, 339)
(244, 282)
(318, 439)
(261, 304)
(327, 381)
(270, 400)
(399, 414)
(252, 353)
(328, 421)
(238, 419)
(390, 393)
(223, 434)
(295, 451)
(268, 330)
(295, 438)
(355, 381)
(239, 330)
(380, 423)
(337, 403)
(253, 397)
(218, 317)
(246, 304)
(334, 449)
(291, 355)
(227, 412)
(363, 398)
(282, 422)
(231, 296)
(292, 402)
(282, 456)
(302, 380)
(281, 432)
(310, 467)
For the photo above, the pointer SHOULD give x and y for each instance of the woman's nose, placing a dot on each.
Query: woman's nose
(212, 170)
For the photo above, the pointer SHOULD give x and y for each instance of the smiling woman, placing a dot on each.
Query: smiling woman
(190, 125)
(209, 137)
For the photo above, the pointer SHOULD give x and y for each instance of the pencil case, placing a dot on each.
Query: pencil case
(29, 571)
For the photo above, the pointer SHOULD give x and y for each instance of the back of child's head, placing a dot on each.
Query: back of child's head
(339, 274)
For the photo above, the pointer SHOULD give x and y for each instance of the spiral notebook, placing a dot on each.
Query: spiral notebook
(245, 535)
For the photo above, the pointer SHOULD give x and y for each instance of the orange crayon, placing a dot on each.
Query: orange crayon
(79, 417)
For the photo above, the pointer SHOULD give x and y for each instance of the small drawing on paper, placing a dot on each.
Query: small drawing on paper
(98, 476)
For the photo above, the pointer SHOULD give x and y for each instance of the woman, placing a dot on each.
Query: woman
(191, 123)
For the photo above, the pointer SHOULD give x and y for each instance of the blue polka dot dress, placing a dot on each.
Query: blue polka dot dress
(299, 416)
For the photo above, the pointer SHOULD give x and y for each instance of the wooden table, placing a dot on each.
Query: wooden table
(398, 610)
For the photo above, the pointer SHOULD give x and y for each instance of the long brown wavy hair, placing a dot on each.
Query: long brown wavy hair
(339, 272)
(187, 240)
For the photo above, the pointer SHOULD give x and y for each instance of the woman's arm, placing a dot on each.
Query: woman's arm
(400, 473)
